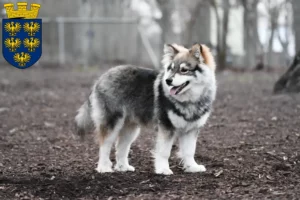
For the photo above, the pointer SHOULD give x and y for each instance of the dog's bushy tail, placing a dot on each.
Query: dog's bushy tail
(83, 121)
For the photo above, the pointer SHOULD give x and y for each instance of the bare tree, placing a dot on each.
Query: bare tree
(296, 16)
(166, 7)
(273, 20)
(290, 81)
(218, 20)
(287, 26)
(193, 8)
(223, 51)
(222, 31)
(252, 42)
(274, 9)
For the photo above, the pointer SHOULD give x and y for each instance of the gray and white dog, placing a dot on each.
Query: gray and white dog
(177, 101)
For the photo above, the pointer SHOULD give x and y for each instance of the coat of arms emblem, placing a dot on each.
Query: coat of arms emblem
(22, 35)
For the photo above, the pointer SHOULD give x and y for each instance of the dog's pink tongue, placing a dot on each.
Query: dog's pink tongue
(173, 91)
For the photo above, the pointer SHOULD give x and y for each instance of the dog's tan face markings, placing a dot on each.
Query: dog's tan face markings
(197, 54)
(185, 61)
(185, 68)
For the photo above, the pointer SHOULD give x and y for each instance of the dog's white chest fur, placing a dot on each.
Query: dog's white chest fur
(180, 123)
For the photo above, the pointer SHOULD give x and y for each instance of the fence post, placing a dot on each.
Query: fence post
(149, 48)
(61, 40)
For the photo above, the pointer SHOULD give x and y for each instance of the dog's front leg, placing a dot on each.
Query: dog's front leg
(165, 140)
(187, 144)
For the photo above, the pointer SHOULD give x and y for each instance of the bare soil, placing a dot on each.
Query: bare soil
(250, 146)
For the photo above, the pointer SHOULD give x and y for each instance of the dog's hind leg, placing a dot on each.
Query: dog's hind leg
(108, 124)
(107, 138)
(127, 136)
(187, 145)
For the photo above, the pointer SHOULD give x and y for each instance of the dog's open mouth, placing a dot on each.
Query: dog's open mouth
(176, 89)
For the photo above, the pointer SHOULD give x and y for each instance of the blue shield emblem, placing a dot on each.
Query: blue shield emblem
(22, 41)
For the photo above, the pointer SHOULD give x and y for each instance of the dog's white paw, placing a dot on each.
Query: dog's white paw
(164, 171)
(195, 168)
(124, 168)
(104, 169)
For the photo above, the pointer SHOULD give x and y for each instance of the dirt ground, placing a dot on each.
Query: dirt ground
(250, 146)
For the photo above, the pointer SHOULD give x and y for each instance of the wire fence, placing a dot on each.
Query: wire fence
(92, 41)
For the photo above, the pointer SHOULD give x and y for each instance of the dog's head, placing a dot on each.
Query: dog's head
(187, 70)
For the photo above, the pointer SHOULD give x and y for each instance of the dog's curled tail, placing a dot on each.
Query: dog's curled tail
(83, 121)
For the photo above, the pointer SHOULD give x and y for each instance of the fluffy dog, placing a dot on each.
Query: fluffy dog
(177, 101)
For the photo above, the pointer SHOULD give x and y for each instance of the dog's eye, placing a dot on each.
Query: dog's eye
(169, 67)
(183, 70)
(200, 69)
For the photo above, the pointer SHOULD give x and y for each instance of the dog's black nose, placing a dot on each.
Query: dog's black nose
(169, 81)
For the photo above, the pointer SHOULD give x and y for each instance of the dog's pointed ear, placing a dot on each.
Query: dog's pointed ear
(196, 51)
(170, 50)
(202, 53)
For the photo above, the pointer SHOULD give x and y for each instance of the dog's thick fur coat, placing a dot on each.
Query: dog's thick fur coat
(176, 101)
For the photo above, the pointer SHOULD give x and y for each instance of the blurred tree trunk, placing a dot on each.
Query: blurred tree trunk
(290, 81)
(270, 44)
(166, 7)
(223, 46)
(194, 9)
(250, 31)
(285, 41)
(222, 32)
(274, 12)
(218, 19)
(202, 28)
(258, 45)
(296, 13)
